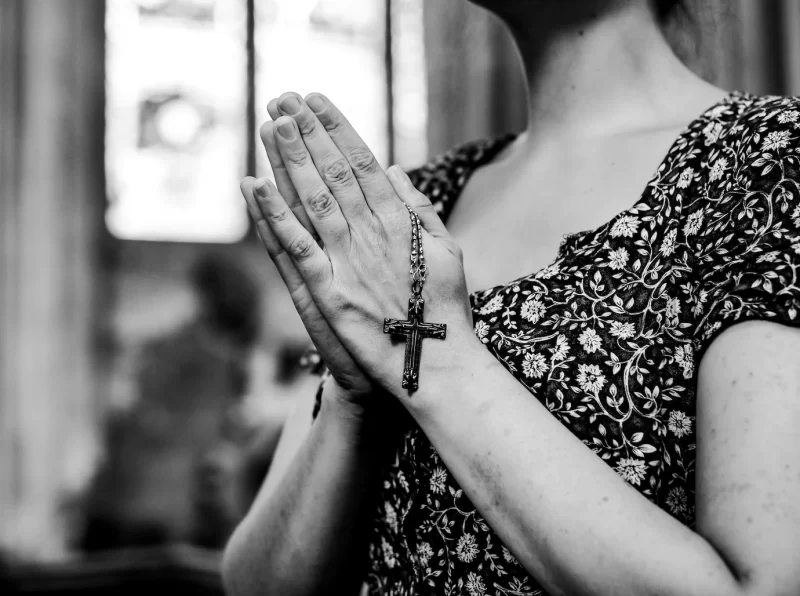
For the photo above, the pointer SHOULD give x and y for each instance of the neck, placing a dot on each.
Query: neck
(595, 70)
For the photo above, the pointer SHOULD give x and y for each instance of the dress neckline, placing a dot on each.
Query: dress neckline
(491, 148)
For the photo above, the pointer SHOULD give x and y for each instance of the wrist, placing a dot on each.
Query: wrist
(446, 369)
(361, 414)
(344, 402)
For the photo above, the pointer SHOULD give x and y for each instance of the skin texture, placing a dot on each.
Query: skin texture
(479, 418)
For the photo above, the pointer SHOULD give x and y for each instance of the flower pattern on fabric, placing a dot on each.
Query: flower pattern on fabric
(609, 336)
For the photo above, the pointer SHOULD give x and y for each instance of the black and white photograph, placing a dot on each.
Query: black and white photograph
(400, 297)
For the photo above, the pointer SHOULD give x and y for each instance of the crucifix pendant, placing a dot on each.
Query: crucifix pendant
(415, 330)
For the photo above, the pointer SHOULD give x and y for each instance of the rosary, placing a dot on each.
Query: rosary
(414, 328)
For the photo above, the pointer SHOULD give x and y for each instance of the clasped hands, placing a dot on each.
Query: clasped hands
(337, 230)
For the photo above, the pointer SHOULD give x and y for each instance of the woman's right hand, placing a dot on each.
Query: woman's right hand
(354, 384)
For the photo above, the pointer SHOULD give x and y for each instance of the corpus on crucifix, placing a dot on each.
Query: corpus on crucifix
(415, 329)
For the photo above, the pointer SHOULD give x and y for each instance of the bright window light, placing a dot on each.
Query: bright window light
(336, 47)
(176, 132)
(176, 114)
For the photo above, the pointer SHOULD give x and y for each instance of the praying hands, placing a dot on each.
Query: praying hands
(340, 235)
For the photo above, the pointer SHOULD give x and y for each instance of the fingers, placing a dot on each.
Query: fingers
(430, 220)
(371, 178)
(272, 109)
(322, 208)
(317, 326)
(284, 236)
(333, 168)
(282, 178)
(283, 262)
(418, 202)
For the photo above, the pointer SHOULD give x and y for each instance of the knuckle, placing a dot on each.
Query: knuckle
(276, 217)
(297, 158)
(336, 171)
(423, 208)
(301, 248)
(302, 301)
(333, 124)
(363, 161)
(423, 201)
(321, 202)
(306, 125)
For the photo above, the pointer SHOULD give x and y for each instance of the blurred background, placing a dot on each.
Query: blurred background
(148, 352)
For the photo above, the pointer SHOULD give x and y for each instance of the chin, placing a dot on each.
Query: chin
(514, 6)
(527, 5)
(492, 4)
(506, 3)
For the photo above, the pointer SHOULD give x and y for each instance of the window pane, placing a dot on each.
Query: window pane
(336, 47)
(176, 117)
(409, 84)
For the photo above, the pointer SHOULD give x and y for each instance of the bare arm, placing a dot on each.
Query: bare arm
(580, 530)
(306, 531)
(570, 519)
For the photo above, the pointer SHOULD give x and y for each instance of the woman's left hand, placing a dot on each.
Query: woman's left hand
(362, 275)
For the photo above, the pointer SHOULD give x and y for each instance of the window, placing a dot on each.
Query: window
(182, 102)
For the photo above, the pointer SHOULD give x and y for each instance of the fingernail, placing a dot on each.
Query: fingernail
(316, 103)
(398, 175)
(286, 130)
(262, 188)
(290, 105)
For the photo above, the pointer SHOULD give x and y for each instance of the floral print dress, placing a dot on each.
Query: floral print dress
(608, 337)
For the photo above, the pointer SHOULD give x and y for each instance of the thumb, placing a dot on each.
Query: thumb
(428, 217)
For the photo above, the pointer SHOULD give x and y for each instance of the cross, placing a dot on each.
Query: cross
(415, 329)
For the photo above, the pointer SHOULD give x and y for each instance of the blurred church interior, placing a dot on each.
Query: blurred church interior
(148, 352)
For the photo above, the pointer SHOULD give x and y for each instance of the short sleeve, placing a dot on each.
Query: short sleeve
(748, 226)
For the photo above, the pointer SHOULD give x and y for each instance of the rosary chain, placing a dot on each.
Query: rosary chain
(418, 268)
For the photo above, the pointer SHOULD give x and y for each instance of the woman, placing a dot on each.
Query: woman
(509, 470)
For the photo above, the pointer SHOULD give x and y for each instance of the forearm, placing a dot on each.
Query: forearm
(306, 535)
(572, 522)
